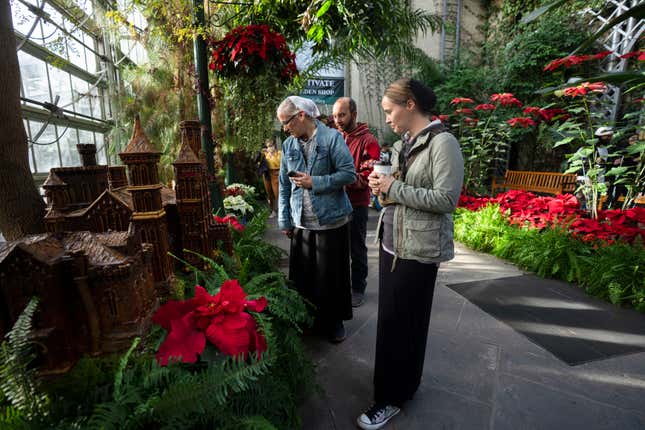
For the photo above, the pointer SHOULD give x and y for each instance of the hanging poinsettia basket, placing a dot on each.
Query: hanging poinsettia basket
(253, 50)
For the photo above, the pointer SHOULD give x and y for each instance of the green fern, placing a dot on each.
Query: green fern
(207, 391)
(256, 423)
(17, 379)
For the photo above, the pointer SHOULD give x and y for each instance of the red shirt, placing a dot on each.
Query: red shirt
(365, 150)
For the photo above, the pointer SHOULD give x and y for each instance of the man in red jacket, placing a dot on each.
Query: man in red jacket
(365, 150)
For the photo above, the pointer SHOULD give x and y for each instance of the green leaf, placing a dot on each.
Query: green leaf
(617, 171)
(572, 169)
(636, 148)
(564, 141)
(536, 13)
(324, 8)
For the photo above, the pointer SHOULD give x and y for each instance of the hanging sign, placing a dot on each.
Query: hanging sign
(324, 90)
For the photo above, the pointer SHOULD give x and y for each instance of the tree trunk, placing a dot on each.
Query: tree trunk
(21, 206)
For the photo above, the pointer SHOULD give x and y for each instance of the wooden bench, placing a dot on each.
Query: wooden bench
(538, 182)
(638, 200)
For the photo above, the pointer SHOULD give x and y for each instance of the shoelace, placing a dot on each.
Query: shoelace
(376, 412)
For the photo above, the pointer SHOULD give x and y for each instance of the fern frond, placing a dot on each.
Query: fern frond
(214, 278)
(17, 379)
(199, 393)
(118, 378)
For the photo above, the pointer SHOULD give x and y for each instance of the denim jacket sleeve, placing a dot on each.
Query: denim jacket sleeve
(343, 172)
(447, 179)
(284, 195)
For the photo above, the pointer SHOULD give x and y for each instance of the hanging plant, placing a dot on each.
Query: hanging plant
(253, 69)
(251, 51)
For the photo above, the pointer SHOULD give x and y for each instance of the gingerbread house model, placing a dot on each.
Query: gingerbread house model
(104, 263)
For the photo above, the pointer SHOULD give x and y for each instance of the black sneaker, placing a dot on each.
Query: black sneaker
(357, 299)
(337, 334)
(376, 416)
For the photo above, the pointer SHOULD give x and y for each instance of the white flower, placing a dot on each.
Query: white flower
(237, 204)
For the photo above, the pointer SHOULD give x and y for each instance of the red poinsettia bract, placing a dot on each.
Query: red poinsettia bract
(554, 114)
(460, 100)
(506, 99)
(584, 88)
(640, 55)
(464, 111)
(546, 114)
(531, 110)
(521, 122)
(230, 220)
(485, 106)
(573, 60)
(222, 319)
(442, 118)
(471, 121)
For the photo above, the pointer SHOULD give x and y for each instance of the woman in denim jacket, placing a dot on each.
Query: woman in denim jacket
(314, 211)
(416, 234)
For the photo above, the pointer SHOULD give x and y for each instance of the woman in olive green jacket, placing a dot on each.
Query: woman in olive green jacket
(416, 234)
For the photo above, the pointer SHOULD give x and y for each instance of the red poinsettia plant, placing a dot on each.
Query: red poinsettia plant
(249, 50)
(526, 209)
(222, 319)
(230, 220)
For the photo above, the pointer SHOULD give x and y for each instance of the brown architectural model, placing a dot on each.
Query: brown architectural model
(105, 263)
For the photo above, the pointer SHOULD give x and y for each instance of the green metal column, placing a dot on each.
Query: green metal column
(203, 107)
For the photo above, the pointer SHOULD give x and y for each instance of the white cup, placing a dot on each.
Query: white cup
(383, 169)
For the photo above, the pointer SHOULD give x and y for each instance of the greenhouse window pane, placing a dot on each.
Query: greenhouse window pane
(100, 148)
(53, 38)
(60, 86)
(34, 77)
(85, 136)
(90, 58)
(86, 5)
(46, 149)
(68, 150)
(95, 102)
(23, 19)
(81, 96)
(76, 53)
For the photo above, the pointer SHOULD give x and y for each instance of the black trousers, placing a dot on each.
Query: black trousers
(319, 269)
(404, 304)
(358, 234)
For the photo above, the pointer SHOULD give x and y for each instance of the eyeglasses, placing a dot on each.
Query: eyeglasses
(286, 123)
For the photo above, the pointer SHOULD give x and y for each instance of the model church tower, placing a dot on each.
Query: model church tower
(193, 203)
(148, 216)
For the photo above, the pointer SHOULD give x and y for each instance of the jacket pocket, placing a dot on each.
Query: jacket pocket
(322, 153)
(293, 160)
(423, 238)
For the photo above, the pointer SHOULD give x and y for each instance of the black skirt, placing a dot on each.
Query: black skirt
(404, 305)
(319, 269)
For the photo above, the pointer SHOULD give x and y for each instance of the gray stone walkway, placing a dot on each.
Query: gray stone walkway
(479, 373)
